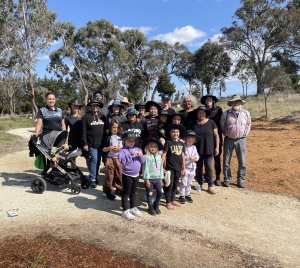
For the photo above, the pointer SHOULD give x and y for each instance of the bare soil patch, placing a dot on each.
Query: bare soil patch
(253, 227)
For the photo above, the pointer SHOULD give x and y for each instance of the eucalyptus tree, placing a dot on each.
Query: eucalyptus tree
(31, 25)
(211, 64)
(95, 53)
(259, 31)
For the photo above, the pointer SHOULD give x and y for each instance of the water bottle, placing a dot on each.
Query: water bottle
(198, 188)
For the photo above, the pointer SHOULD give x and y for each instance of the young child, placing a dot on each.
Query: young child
(153, 173)
(191, 156)
(131, 159)
(163, 117)
(174, 161)
(177, 118)
(113, 168)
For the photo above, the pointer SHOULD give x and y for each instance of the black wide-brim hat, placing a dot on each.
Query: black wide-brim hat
(75, 102)
(175, 126)
(203, 98)
(152, 103)
(137, 106)
(191, 133)
(100, 104)
(148, 140)
(129, 135)
(179, 114)
(207, 111)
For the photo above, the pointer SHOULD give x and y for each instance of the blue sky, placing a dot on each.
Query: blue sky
(190, 22)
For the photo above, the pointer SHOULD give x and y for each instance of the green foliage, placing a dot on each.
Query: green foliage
(164, 85)
(211, 64)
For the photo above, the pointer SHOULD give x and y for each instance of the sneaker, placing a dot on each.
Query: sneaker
(241, 184)
(181, 199)
(93, 184)
(135, 211)
(226, 183)
(189, 199)
(111, 197)
(211, 190)
(218, 183)
(127, 215)
(151, 210)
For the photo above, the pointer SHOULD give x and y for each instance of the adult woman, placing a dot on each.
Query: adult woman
(215, 114)
(50, 118)
(115, 112)
(93, 124)
(141, 111)
(188, 104)
(74, 123)
(207, 146)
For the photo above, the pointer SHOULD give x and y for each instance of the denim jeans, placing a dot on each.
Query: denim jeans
(154, 184)
(95, 157)
(240, 149)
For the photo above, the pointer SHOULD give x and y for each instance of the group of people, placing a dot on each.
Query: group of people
(168, 148)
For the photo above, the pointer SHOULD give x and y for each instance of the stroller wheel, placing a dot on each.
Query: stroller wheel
(38, 185)
(75, 188)
(85, 183)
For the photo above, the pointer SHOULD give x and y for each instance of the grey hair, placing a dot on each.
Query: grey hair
(192, 98)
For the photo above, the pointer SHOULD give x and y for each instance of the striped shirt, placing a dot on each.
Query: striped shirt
(236, 126)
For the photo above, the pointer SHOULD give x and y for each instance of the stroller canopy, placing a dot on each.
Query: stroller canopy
(55, 138)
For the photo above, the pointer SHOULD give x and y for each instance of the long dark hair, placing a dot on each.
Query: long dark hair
(120, 127)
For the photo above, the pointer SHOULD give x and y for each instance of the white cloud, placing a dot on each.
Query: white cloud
(215, 38)
(46, 57)
(144, 29)
(182, 35)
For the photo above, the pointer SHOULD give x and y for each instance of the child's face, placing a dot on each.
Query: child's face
(129, 142)
(153, 111)
(174, 133)
(190, 140)
(131, 118)
(163, 118)
(114, 129)
(152, 148)
(176, 120)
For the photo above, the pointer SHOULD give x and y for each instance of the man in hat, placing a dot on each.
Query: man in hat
(215, 114)
(165, 103)
(126, 104)
(235, 125)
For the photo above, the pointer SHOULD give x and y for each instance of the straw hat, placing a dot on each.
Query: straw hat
(235, 97)
(125, 100)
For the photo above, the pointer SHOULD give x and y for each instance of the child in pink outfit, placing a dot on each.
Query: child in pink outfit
(191, 156)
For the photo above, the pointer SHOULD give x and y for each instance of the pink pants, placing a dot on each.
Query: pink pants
(186, 182)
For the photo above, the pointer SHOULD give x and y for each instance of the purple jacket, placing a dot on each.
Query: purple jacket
(131, 164)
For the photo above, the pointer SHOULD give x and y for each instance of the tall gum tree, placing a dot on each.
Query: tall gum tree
(31, 23)
(257, 33)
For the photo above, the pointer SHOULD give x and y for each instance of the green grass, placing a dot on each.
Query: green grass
(15, 122)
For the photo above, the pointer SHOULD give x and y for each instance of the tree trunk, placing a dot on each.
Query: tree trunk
(34, 107)
(259, 83)
(266, 108)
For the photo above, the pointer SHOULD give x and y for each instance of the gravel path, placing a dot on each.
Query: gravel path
(235, 227)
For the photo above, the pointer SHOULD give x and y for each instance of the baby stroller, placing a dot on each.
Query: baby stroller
(56, 152)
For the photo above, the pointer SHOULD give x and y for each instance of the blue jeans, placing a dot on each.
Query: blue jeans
(95, 157)
(154, 184)
(240, 149)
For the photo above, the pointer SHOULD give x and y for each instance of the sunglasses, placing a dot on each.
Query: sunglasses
(98, 95)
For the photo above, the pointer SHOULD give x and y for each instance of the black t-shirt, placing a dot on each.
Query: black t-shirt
(170, 110)
(215, 115)
(150, 125)
(205, 145)
(190, 119)
(93, 128)
(51, 119)
(137, 128)
(174, 150)
(75, 125)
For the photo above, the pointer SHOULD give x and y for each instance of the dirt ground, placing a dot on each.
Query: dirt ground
(253, 227)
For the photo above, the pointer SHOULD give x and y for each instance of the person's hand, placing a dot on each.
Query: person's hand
(147, 184)
(216, 152)
(115, 148)
(183, 173)
(86, 148)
